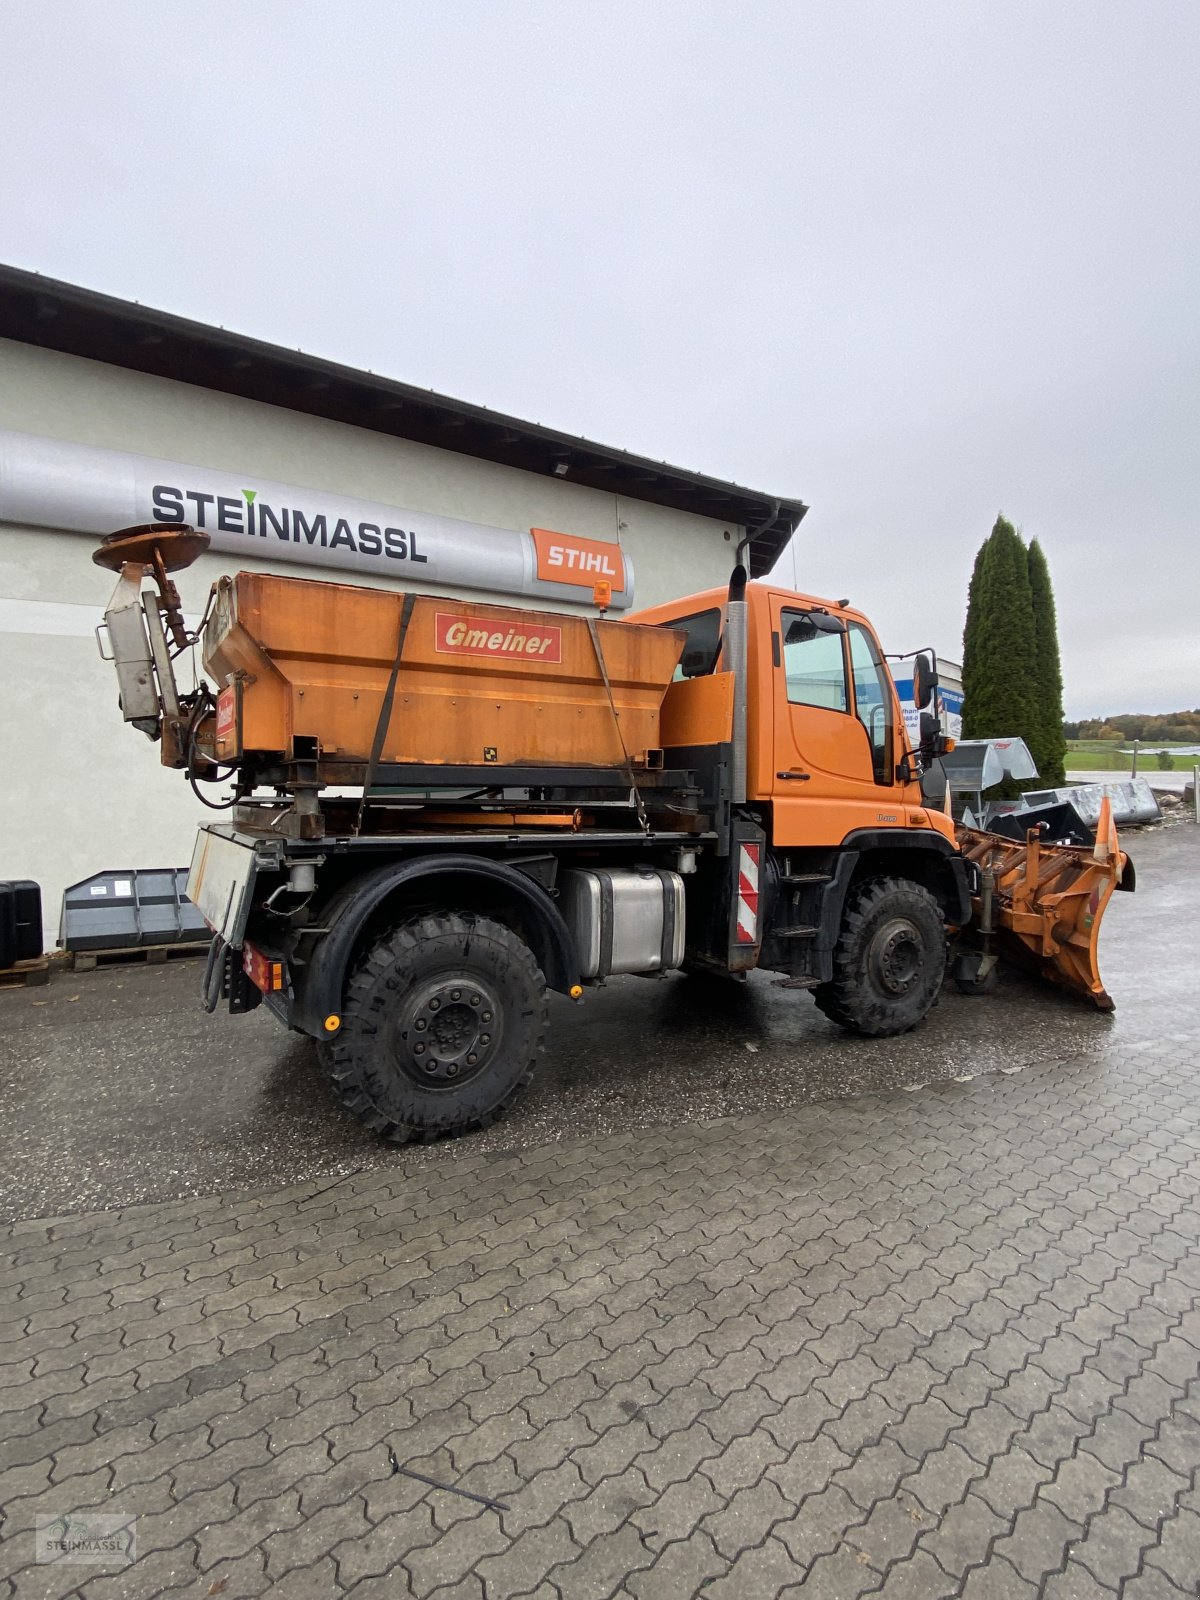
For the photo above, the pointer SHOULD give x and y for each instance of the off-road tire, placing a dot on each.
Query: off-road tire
(443, 1022)
(889, 960)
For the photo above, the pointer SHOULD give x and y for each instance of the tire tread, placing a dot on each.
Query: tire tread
(342, 1058)
(846, 999)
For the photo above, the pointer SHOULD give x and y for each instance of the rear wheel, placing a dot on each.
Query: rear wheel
(889, 960)
(443, 1022)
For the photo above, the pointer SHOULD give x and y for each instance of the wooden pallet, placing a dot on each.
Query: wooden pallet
(26, 974)
(152, 955)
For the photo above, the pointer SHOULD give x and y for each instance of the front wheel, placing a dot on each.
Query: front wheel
(443, 1022)
(889, 960)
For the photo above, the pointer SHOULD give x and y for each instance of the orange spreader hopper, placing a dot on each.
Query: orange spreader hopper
(1049, 900)
(470, 683)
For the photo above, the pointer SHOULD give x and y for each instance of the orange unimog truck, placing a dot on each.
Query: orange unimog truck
(442, 809)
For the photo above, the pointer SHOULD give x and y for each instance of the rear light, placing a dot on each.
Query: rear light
(263, 973)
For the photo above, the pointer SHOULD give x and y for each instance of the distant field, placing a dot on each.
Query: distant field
(1102, 755)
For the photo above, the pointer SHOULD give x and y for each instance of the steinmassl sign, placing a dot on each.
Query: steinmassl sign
(49, 483)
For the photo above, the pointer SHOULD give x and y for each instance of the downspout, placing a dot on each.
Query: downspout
(734, 654)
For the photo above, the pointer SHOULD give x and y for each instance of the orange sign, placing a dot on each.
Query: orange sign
(564, 558)
(467, 636)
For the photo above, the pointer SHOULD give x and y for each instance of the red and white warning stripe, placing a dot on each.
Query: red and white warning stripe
(747, 906)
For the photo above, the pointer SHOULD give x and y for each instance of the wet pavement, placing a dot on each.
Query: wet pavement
(732, 1307)
(119, 1089)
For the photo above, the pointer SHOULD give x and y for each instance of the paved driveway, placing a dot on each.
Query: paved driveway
(939, 1338)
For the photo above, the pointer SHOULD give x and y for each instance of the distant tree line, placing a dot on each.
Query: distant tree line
(1173, 727)
(1012, 677)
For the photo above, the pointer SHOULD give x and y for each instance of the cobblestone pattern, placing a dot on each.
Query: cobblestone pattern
(940, 1343)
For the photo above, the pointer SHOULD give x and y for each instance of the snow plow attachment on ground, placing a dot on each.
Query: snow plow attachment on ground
(1041, 906)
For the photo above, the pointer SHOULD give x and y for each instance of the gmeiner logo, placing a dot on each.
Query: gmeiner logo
(259, 519)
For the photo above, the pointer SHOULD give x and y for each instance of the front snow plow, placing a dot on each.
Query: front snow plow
(1041, 906)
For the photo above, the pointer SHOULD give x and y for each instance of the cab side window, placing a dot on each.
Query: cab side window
(872, 698)
(703, 643)
(814, 664)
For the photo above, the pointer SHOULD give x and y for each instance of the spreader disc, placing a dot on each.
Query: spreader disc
(177, 546)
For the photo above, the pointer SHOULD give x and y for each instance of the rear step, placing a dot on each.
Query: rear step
(806, 877)
(796, 933)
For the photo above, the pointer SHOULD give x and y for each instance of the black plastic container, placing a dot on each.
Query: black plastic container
(20, 921)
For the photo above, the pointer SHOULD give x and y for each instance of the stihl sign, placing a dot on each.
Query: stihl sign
(564, 558)
(463, 636)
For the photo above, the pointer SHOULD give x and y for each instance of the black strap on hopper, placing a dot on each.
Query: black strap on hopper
(643, 821)
(385, 711)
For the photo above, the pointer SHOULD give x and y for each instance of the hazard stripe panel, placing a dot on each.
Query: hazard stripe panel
(747, 906)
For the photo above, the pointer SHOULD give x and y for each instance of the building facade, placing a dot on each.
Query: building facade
(113, 415)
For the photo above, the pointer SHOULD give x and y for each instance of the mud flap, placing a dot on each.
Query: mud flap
(747, 868)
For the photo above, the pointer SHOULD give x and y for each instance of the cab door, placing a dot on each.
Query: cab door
(834, 715)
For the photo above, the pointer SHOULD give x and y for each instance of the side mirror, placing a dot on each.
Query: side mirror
(925, 679)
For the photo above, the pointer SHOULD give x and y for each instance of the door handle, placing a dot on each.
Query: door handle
(799, 777)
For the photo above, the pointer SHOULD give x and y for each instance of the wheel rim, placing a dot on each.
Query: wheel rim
(897, 957)
(449, 1030)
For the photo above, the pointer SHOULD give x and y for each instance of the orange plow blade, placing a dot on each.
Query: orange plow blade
(1045, 902)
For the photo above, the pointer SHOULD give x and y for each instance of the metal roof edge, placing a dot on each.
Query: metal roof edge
(73, 320)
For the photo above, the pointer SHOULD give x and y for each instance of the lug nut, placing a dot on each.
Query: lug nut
(487, 1016)
(434, 1004)
(431, 1066)
(472, 1059)
(452, 1069)
(418, 1049)
(421, 1024)
(456, 994)
(485, 1038)
(474, 999)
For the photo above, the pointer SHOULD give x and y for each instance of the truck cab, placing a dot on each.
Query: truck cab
(857, 879)
(827, 750)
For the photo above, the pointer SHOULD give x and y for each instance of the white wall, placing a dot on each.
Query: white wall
(80, 791)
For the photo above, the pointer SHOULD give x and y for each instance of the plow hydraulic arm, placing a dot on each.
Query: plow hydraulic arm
(1042, 904)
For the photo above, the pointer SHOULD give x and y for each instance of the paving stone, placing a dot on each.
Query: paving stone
(840, 1575)
(924, 1344)
(1040, 1541)
(818, 1527)
(919, 1578)
(545, 1496)
(1081, 1486)
(741, 1463)
(676, 1513)
(677, 1456)
(750, 1515)
(680, 1570)
(608, 1562)
(997, 1581)
(763, 1571)
(962, 1537)
(1113, 1546)
(607, 1506)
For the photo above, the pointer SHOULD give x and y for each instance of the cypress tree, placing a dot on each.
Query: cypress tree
(999, 645)
(971, 627)
(1050, 752)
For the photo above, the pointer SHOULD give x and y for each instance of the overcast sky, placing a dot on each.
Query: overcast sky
(914, 264)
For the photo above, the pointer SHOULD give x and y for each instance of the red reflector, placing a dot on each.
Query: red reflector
(263, 973)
